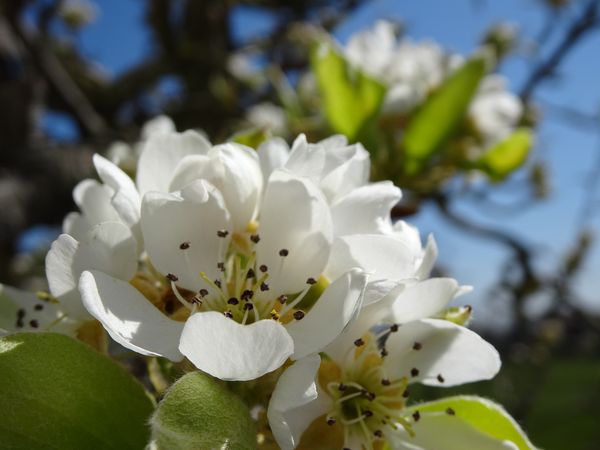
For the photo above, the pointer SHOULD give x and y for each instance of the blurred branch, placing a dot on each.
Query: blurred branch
(588, 20)
(59, 80)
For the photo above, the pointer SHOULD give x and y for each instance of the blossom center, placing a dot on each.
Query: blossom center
(365, 402)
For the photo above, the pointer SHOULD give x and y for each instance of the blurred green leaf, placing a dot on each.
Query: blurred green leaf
(441, 114)
(350, 97)
(484, 415)
(251, 138)
(57, 393)
(565, 411)
(506, 156)
(198, 412)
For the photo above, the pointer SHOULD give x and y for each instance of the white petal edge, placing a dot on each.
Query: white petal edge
(336, 307)
(296, 402)
(229, 350)
(130, 318)
(455, 353)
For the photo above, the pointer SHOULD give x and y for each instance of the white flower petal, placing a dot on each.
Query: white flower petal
(129, 317)
(125, 199)
(336, 307)
(383, 257)
(232, 168)
(76, 225)
(295, 402)
(161, 155)
(365, 210)
(441, 431)
(294, 217)
(94, 201)
(157, 126)
(456, 353)
(429, 257)
(108, 247)
(273, 154)
(424, 299)
(228, 350)
(346, 168)
(193, 216)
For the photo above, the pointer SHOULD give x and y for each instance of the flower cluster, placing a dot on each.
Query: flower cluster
(412, 70)
(248, 261)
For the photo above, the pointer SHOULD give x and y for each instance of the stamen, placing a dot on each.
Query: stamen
(450, 412)
(34, 323)
(179, 297)
(228, 314)
(172, 277)
(299, 315)
(311, 281)
(263, 268)
(359, 342)
(394, 328)
(417, 346)
(416, 416)
(440, 378)
(255, 238)
(38, 307)
(282, 299)
(284, 252)
(184, 245)
(414, 372)
(222, 233)
(233, 301)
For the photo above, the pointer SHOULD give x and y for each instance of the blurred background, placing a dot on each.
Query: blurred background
(78, 76)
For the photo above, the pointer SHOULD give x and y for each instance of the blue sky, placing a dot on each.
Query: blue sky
(117, 40)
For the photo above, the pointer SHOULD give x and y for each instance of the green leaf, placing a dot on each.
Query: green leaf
(57, 393)
(251, 138)
(198, 412)
(484, 415)
(441, 114)
(506, 156)
(350, 97)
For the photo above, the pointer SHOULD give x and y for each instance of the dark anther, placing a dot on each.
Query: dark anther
(218, 283)
(233, 301)
(282, 299)
(394, 328)
(416, 416)
(417, 346)
(311, 281)
(172, 277)
(184, 245)
(383, 352)
(386, 382)
(222, 233)
(264, 287)
(368, 413)
(203, 292)
(284, 252)
(370, 396)
(21, 313)
(221, 266)
(38, 307)
(359, 342)
(440, 378)
(247, 294)
(34, 323)
(405, 394)
(342, 387)
(331, 421)
(255, 238)
(196, 300)
(250, 273)
(378, 433)
(450, 412)
(299, 315)
(469, 308)
(20, 323)
(248, 306)
(228, 314)
(263, 268)
(414, 372)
